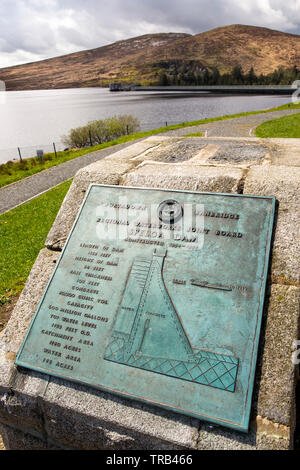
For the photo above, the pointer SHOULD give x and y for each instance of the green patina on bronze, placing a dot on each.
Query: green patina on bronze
(158, 296)
(139, 340)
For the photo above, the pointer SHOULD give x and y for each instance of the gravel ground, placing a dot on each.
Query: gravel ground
(239, 152)
(228, 150)
(177, 151)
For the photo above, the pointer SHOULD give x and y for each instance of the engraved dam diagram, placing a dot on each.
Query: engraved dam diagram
(148, 333)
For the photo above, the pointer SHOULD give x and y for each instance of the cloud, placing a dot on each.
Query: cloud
(37, 29)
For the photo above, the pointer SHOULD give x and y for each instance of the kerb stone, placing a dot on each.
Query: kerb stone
(187, 177)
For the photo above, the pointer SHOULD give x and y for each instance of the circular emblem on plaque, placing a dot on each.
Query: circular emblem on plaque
(169, 211)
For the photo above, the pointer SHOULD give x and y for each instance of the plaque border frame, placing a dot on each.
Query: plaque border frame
(243, 426)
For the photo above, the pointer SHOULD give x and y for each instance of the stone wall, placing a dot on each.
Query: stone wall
(39, 412)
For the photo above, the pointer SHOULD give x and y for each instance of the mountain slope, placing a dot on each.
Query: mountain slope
(264, 49)
(85, 68)
(142, 59)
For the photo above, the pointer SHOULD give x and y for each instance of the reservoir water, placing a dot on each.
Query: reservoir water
(34, 120)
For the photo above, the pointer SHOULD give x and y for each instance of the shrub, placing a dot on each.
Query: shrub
(97, 132)
(21, 165)
(47, 157)
(77, 138)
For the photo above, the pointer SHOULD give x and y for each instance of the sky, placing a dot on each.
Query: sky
(33, 30)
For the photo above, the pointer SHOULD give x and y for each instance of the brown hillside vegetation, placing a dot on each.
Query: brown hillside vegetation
(94, 67)
(264, 49)
(141, 59)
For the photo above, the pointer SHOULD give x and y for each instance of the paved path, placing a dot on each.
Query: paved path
(238, 127)
(28, 188)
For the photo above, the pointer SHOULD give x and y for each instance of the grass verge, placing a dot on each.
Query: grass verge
(285, 127)
(11, 172)
(23, 231)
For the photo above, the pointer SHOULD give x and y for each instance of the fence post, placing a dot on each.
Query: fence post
(20, 153)
(54, 149)
(90, 138)
(127, 129)
(166, 124)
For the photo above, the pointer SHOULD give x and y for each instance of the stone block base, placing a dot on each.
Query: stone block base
(39, 412)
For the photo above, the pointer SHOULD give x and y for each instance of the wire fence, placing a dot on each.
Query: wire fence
(23, 152)
(40, 150)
